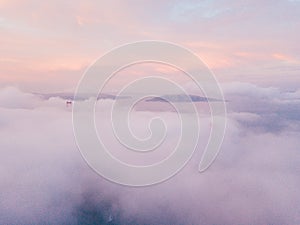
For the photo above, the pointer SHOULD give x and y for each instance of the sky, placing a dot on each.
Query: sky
(252, 47)
(46, 46)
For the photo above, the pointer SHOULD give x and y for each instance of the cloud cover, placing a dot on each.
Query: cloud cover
(255, 179)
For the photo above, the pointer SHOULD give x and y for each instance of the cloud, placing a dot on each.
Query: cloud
(11, 97)
(271, 109)
(255, 179)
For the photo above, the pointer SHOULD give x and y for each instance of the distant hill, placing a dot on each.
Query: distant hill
(163, 98)
(70, 96)
(181, 98)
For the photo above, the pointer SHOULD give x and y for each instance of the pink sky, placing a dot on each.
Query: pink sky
(47, 45)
